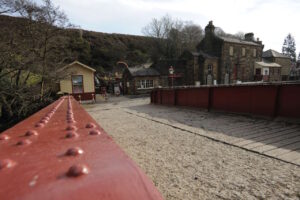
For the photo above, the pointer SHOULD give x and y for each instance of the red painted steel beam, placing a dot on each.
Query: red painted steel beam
(62, 153)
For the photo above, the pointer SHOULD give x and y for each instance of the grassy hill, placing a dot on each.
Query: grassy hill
(99, 50)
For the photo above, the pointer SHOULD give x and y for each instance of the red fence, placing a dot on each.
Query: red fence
(62, 153)
(266, 100)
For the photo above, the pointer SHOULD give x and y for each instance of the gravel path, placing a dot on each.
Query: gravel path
(187, 166)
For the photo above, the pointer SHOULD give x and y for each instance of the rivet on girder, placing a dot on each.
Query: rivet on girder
(24, 142)
(90, 125)
(71, 135)
(4, 137)
(46, 118)
(71, 128)
(44, 121)
(31, 133)
(77, 170)
(70, 115)
(6, 163)
(94, 132)
(75, 151)
(71, 121)
(40, 125)
(70, 118)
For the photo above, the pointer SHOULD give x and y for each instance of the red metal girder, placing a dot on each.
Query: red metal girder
(62, 153)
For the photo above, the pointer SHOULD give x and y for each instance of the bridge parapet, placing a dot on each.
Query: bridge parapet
(62, 153)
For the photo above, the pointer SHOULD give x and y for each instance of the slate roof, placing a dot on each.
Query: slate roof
(239, 41)
(272, 53)
(79, 63)
(143, 70)
(265, 63)
(205, 55)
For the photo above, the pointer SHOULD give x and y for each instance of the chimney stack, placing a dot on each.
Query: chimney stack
(210, 28)
(249, 37)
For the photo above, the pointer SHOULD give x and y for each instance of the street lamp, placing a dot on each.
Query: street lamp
(171, 72)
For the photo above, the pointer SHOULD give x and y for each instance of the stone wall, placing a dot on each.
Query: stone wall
(190, 71)
(213, 62)
(285, 67)
(239, 66)
(133, 87)
(274, 74)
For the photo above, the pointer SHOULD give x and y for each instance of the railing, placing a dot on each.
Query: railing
(62, 153)
(271, 99)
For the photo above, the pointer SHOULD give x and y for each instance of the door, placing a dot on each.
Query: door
(77, 84)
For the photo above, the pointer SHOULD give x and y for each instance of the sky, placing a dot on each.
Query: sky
(269, 20)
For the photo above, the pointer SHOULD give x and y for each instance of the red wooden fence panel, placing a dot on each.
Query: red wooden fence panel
(263, 100)
(232, 99)
(168, 97)
(267, 100)
(62, 153)
(158, 97)
(289, 101)
(194, 97)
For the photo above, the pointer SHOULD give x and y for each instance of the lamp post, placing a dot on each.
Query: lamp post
(171, 72)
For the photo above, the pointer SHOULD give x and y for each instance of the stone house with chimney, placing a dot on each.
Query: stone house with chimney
(283, 60)
(222, 60)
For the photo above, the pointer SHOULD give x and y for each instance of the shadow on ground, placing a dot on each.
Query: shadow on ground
(253, 133)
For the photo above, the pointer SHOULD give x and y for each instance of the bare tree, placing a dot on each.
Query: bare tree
(173, 35)
(192, 34)
(159, 28)
(11, 6)
(240, 35)
(32, 50)
(219, 32)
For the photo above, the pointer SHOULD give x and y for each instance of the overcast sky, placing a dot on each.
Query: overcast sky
(270, 20)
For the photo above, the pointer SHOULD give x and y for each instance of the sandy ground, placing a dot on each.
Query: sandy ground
(187, 166)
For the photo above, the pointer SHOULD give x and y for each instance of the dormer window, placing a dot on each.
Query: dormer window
(231, 50)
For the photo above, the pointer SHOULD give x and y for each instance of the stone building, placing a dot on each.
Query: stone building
(222, 60)
(140, 79)
(179, 76)
(283, 60)
(267, 71)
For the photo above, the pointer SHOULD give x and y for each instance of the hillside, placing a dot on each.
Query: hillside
(99, 50)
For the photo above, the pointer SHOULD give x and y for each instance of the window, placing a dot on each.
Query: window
(254, 52)
(77, 84)
(144, 84)
(209, 68)
(243, 51)
(231, 50)
(258, 71)
(266, 71)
